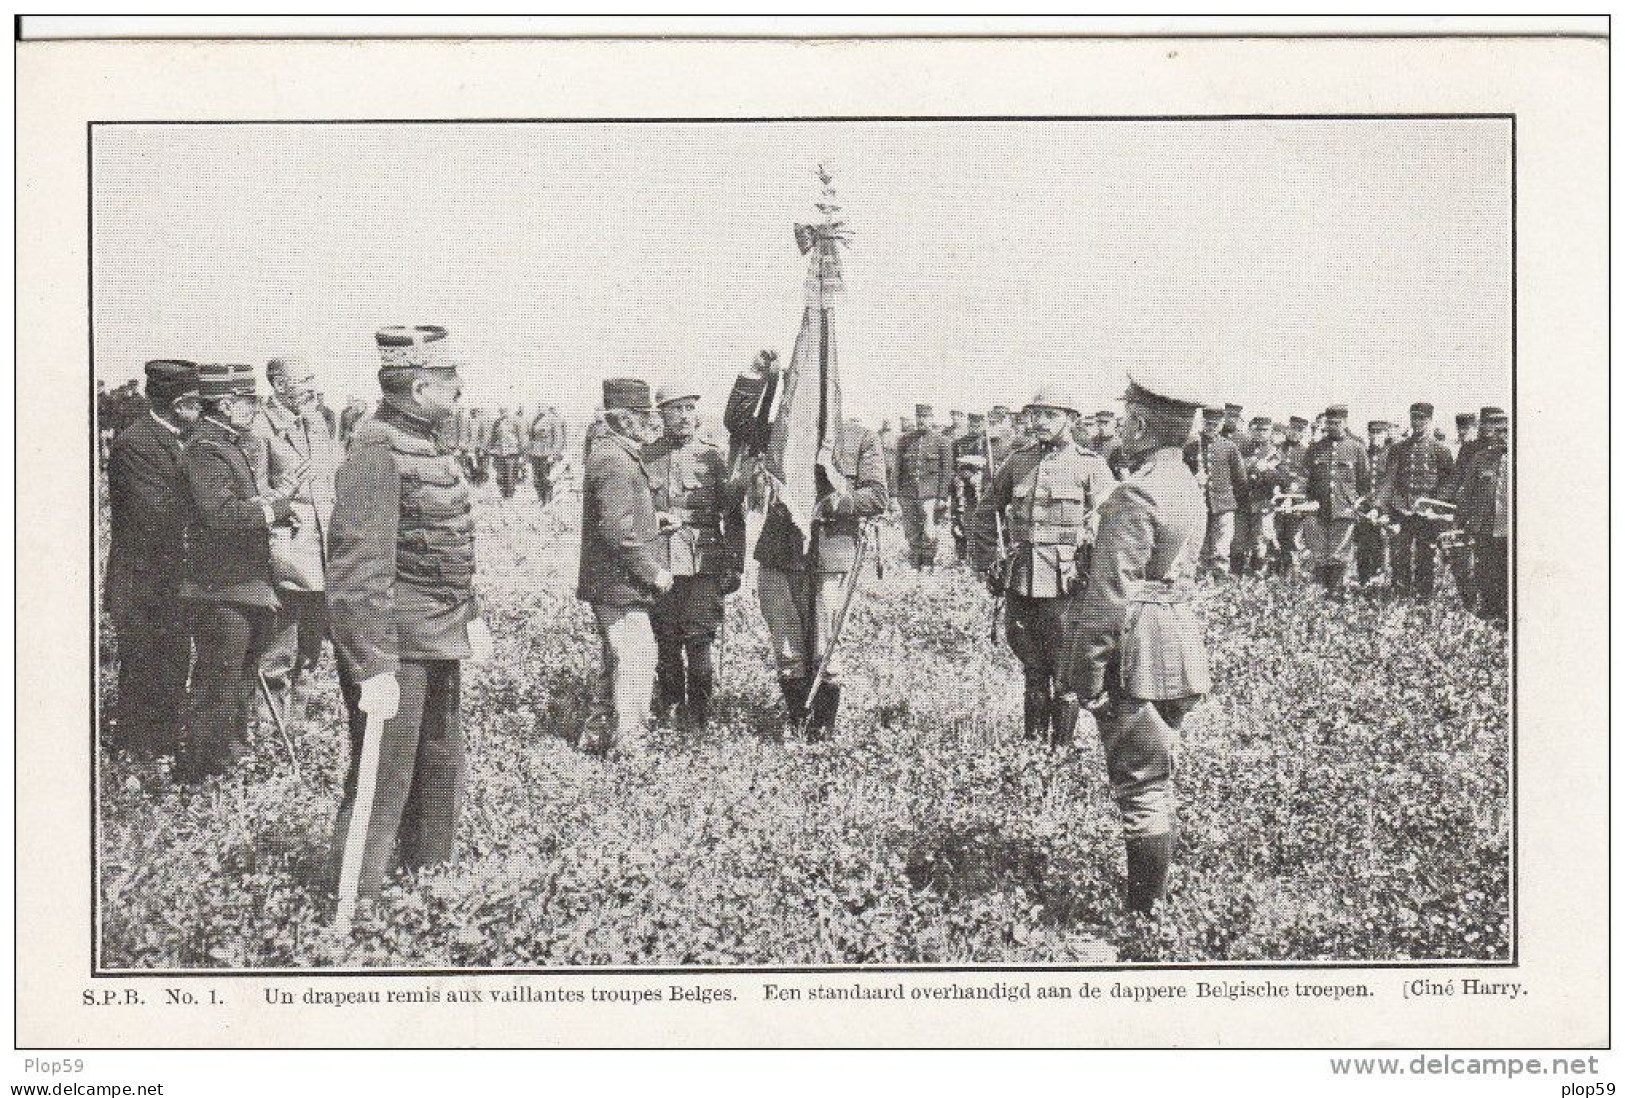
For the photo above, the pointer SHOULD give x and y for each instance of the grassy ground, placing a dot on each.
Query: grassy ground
(1344, 797)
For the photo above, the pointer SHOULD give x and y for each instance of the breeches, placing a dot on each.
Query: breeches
(230, 640)
(1140, 740)
(920, 528)
(154, 656)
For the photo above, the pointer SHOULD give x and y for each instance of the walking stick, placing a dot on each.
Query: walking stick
(282, 729)
(355, 839)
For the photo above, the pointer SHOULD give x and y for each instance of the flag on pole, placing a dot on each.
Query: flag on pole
(807, 431)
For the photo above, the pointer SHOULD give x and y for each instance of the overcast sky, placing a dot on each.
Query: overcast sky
(1279, 264)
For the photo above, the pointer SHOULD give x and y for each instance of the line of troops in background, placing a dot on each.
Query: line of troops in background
(1274, 492)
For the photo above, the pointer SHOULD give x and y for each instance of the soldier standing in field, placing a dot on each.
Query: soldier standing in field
(228, 570)
(924, 484)
(1484, 511)
(1339, 481)
(400, 593)
(1106, 443)
(1370, 533)
(699, 509)
(1220, 472)
(1001, 437)
(508, 449)
(970, 474)
(546, 448)
(1419, 466)
(1044, 500)
(149, 503)
(298, 451)
(788, 584)
(1292, 478)
(1133, 645)
(622, 574)
(1261, 459)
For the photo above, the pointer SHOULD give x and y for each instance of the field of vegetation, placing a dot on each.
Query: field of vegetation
(1344, 792)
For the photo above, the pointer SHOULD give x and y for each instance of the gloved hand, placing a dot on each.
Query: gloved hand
(942, 509)
(380, 697)
(731, 582)
(1099, 703)
(663, 581)
(480, 644)
(990, 577)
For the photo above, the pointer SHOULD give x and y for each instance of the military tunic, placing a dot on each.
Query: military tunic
(1133, 640)
(1222, 477)
(1339, 477)
(400, 593)
(925, 470)
(1417, 468)
(1046, 499)
(702, 536)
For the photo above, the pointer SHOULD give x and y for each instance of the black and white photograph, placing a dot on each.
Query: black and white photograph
(803, 542)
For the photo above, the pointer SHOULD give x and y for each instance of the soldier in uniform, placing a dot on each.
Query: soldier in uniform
(970, 474)
(788, 584)
(622, 574)
(924, 484)
(508, 449)
(1256, 528)
(1219, 470)
(1051, 493)
(546, 449)
(1484, 509)
(1232, 429)
(1291, 477)
(400, 592)
(1370, 535)
(298, 451)
(148, 497)
(956, 426)
(1339, 480)
(1133, 645)
(887, 437)
(228, 570)
(698, 507)
(1418, 466)
(1466, 568)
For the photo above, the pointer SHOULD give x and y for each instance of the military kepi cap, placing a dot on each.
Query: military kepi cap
(921, 410)
(170, 379)
(1232, 409)
(1263, 421)
(218, 380)
(975, 417)
(1377, 425)
(1212, 415)
(1422, 408)
(419, 347)
(1466, 419)
(1000, 409)
(671, 392)
(1298, 421)
(1492, 417)
(629, 393)
(1337, 411)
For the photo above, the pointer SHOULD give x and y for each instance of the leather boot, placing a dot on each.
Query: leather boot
(702, 682)
(1063, 715)
(1148, 858)
(669, 678)
(795, 702)
(826, 703)
(1036, 707)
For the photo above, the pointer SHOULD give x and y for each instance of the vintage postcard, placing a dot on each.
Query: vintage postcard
(1059, 542)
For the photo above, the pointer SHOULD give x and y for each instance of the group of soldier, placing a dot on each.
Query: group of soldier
(505, 441)
(1276, 493)
(243, 534)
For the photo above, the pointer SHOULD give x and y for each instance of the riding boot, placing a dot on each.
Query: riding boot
(701, 681)
(1148, 858)
(1036, 707)
(669, 677)
(795, 702)
(1063, 715)
(826, 703)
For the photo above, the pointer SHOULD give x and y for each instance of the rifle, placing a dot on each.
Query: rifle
(849, 588)
(1001, 558)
